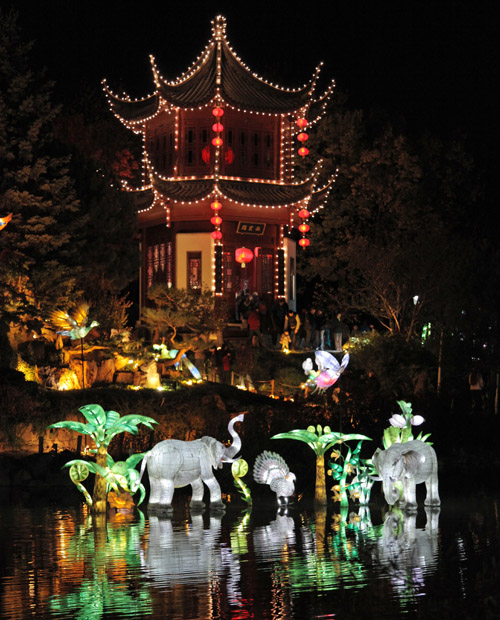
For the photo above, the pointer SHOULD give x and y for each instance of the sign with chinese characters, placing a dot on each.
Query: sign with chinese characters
(250, 228)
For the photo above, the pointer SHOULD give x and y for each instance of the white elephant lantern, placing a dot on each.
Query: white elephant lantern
(173, 464)
(404, 465)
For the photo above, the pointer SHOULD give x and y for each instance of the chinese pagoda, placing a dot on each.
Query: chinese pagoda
(218, 199)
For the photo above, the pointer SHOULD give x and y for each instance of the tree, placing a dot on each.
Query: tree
(385, 246)
(102, 426)
(320, 440)
(38, 267)
(176, 309)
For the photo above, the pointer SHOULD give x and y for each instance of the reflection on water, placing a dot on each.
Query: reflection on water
(303, 564)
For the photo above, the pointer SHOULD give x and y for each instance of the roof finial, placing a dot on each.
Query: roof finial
(219, 27)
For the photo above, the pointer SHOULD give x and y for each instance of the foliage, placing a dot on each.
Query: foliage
(400, 430)
(38, 266)
(359, 487)
(393, 360)
(239, 469)
(102, 425)
(319, 440)
(181, 309)
(393, 237)
(120, 476)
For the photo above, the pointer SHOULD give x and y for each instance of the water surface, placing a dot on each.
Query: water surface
(362, 563)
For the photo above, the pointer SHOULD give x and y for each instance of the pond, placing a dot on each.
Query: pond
(363, 563)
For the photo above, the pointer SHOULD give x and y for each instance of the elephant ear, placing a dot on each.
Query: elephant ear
(412, 461)
(212, 450)
(377, 460)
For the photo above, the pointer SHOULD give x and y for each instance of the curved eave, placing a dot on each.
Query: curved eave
(243, 192)
(130, 111)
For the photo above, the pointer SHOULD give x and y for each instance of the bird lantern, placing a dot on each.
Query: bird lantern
(243, 256)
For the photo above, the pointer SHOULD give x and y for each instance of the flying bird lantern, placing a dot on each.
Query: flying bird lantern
(5, 220)
(328, 372)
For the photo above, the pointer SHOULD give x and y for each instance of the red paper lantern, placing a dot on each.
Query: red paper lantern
(304, 242)
(219, 142)
(243, 256)
(216, 205)
(302, 137)
(229, 155)
(303, 213)
(218, 112)
(217, 127)
(205, 154)
(304, 228)
(303, 151)
(216, 220)
(216, 234)
(301, 122)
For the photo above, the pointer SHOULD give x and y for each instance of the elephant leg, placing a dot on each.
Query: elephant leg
(432, 493)
(409, 493)
(197, 496)
(166, 491)
(155, 492)
(215, 492)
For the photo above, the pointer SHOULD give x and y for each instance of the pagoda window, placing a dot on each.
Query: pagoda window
(229, 136)
(266, 272)
(255, 159)
(228, 271)
(194, 271)
(243, 138)
(159, 264)
(256, 139)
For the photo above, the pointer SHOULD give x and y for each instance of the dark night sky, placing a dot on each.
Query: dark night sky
(434, 63)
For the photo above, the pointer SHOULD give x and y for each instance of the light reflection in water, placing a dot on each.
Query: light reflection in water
(239, 565)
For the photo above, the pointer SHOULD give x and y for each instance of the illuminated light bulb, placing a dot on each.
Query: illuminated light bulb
(301, 122)
(304, 243)
(303, 213)
(220, 142)
(216, 234)
(218, 112)
(304, 228)
(217, 127)
(302, 137)
(303, 151)
(216, 205)
(216, 220)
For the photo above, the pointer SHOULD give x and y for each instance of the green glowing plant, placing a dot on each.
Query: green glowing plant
(319, 440)
(239, 469)
(400, 430)
(102, 426)
(120, 475)
(359, 487)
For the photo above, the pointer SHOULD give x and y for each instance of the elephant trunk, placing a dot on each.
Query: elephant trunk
(231, 451)
(391, 490)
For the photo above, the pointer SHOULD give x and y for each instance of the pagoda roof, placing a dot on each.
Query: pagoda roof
(219, 74)
(243, 192)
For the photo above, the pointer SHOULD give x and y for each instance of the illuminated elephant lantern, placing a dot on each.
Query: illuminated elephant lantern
(173, 464)
(404, 465)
